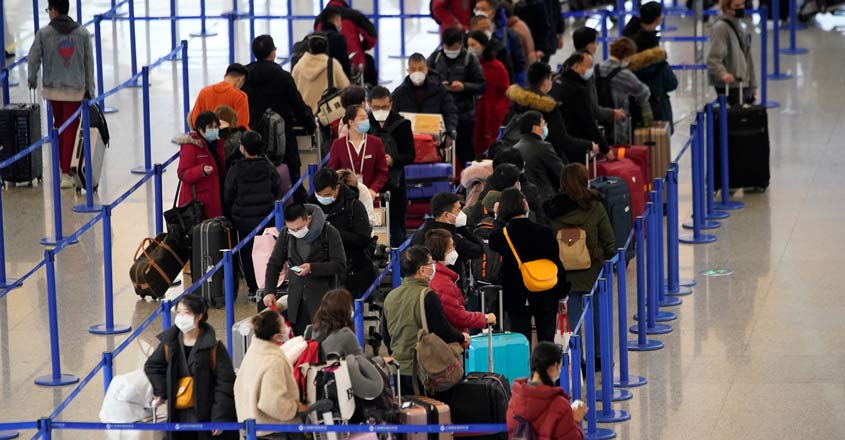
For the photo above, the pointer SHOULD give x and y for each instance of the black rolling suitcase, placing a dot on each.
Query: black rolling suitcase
(748, 147)
(210, 238)
(20, 127)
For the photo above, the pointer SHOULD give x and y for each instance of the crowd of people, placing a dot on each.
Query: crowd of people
(499, 99)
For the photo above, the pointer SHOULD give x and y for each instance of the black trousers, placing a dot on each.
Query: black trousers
(464, 144)
(544, 320)
(398, 212)
(247, 268)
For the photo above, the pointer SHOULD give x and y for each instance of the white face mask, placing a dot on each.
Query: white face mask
(417, 78)
(433, 271)
(300, 233)
(489, 34)
(381, 115)
(476, 51)
(325, 200)
(461, 220)
(451, 54)
(451, 258)
(479, 12)
(184, 322)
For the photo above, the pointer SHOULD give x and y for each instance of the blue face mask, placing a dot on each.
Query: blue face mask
(325, 200)
(212, 134)
(363, 126)
(545, 132)
(588, 74)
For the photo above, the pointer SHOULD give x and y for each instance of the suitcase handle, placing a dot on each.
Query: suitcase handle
(595, 167)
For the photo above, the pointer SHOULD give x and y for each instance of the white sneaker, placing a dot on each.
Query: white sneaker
(67, 181)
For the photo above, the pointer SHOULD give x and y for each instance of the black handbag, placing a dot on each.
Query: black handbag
(182, 219)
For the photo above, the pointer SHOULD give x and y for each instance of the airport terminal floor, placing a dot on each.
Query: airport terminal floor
(756, 352)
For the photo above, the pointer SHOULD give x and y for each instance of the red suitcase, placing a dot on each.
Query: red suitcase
(628, 171)
(640, 155)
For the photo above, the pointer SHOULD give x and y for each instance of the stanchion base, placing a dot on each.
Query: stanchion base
(398, 57)
(729, 205)
(794, 50)
(87, 209)
(632, 382)
(658, 329)
(662, 316)
(14, 83)
(771, 104)
(779, 76)
(670, 301)
(101, 329)
(49, 381)
(140, 170)
(650, 345)
(668, 28)
(680, 291)
(619, 395)
(690, 239)
(10, 284)
(705, 224)
(54, 241)
(600, 434)
(109, 110)
(203, 34)
(135, 85)
(686, 283)
(716, 215)
(5, 435)
(612, 416)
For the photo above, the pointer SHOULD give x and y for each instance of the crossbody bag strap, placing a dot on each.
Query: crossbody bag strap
(422, 309)
(330, 72)
(510, 243)
(742, 45)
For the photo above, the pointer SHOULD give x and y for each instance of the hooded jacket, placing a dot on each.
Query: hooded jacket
(252, 187)
(311, 77)
(194, 154)
(730, 53)
(445, 285)
(214, 399)
(575, 98)
(466, 69)
(568, 146)
(222, 93)
(651, 68)
(542, 164)
(546, 408)
(359, 32)
(64, 49)
(435, 99)
(625, 85)
(563, 212)
(493, 106)
(327, 271)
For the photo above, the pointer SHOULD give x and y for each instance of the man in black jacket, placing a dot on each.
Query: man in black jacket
(423, 93)
(268, 86)
(398, 139)
(460, 72)
(330, 23)
(347, 214)
(542, 164)
(580, 121)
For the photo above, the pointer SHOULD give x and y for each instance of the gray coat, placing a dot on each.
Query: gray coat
(64, 49)
(730, 55)
(602, 114)
(623, 85)
(542, 164)
(327, 271)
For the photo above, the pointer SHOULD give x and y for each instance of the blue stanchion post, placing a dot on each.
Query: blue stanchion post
(607, 392)
(231, 28)
(251, 26)
(89, 205)
(711, 212)
(158, 190)
(402, 50)
(575, 358)
(203, 31)
(699, 165)
(621, 15)
(148, 140)
(98, 52)
(655, 241)
(109, 328)
(186, 86)
(166, 320)
(697, 236)
(279, 210)
(764, 65)
(173, 31)
(663, 300)
(230, 284)
(133, 52)
(45, 428)
(376, 51)
(593, 432)
(653, 313)
(5, 282)
(35, 16)
(249, 426)
(776, 75)
(55, 185)
(625, 379)
(604, 43)
(359, 321)
(108, 370)
(56, 378)
(726, 202)
(674, 285)
(5, 83)
(395, 271)
(641, 329)
(312, 170)
(79, 11)
(290, 27)
(793, 49)
(665, 26)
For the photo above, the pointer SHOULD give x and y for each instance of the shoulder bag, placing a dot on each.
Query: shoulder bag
(439, 365)
(182, 219)
(537, 275)
(329, 107)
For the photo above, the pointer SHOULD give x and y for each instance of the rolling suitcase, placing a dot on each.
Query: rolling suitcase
(748, 147)
(20, 127)
(210, 238)
(628, 172)
(479, 399)
(617, 203)
(421, 410)
(658, 138)
(99, 142)
(510, 352)
(158, 262)
(432, 171)
(640, 155)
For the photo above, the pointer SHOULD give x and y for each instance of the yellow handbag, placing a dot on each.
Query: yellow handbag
(537, 275)
(185, 385)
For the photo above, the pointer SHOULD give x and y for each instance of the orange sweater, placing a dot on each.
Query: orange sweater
(221, 93)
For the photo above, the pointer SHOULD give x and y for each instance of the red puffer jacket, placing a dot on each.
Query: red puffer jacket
(446, 287)
(547, 408)
(360, 33)
(193, 156)
(452, 13)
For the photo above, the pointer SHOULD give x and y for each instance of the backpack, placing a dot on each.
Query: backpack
(271, 126)
(488, 268)
(394, 176)
(572, 243)
(523, 430)
(439, 366)
(605, 92)
(510, 134)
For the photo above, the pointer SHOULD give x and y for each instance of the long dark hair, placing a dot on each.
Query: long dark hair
(511, 204)
(573, 182)
(335, 312)
(545, 355)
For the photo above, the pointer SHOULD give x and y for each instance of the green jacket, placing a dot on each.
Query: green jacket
(402, 317)
(564, 212)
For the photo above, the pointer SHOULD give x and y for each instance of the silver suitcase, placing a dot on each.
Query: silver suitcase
(242, 333)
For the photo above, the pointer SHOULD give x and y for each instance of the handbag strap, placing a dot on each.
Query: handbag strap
(510, 243)
(422, 309)
(179, 187)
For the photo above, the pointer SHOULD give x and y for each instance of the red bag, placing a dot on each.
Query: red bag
(640, 155)
(628, 171)
(426, 149)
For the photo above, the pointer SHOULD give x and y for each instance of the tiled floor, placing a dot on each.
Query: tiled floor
(754, 355)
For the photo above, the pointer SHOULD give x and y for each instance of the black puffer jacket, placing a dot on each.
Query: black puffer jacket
(435, 99)
(465, 68)
(252, 187)
(571, 90)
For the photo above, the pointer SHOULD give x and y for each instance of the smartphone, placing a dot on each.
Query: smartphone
(296, 269)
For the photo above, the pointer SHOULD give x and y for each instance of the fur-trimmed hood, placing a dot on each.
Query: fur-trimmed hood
(190, 138)
(476, 172)
(646, 58)
(528, 98)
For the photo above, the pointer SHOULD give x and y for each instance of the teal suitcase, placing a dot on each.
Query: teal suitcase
(503, 353)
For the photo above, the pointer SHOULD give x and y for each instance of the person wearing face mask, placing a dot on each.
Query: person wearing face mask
(536, 97)
(730, 61)
(190, 361)
(574, 92)
(493, 105)
(445, 284)
(202, 166)
(402, 320)
(357, 151)
(542, 164)
(252, 187)
(265, 389)
(532, 193)
(504, 176)
(421, 92)
(460, 72)
(347, 214)
(227, 92)
(398, 139)
(490, 18)
(531, 242)
(543, 404)
(313, 251)
(614, 73)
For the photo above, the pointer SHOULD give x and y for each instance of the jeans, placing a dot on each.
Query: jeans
(62, 110)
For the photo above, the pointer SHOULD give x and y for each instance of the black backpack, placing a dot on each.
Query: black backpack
(488, 268)
(605, 92)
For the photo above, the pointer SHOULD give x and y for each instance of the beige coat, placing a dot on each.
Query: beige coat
(265, 389)
(311, 77)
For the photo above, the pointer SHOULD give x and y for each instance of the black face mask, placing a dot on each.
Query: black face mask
(739, 13)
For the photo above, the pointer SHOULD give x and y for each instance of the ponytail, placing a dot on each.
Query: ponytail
(544, 356)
